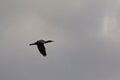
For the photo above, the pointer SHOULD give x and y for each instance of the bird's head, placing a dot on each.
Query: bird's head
(49, 41)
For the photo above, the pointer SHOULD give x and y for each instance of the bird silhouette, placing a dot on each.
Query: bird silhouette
(40, 46)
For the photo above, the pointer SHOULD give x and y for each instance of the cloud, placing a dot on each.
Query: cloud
(110, 23)
(84, 33)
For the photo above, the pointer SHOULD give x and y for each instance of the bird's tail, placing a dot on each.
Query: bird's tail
(32, 44)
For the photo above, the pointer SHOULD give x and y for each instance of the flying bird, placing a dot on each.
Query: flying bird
(40, 46)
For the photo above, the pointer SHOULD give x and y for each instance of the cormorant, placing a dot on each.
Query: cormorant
(40, 46)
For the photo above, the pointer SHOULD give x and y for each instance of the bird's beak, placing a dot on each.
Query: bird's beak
(51, 41)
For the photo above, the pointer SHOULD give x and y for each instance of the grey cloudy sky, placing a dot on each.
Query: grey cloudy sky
(86, 35)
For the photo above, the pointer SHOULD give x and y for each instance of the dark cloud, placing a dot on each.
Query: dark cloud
(81, 50)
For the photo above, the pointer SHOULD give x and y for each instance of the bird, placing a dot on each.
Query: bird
(41, 47)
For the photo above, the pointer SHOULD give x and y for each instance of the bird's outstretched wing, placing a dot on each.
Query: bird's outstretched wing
(42, 50)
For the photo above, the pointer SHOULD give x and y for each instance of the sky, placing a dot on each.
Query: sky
(85, 33)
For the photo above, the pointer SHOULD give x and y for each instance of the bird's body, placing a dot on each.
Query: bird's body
(41, 47)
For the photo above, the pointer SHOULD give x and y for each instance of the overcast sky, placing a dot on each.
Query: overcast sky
(86, 35)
